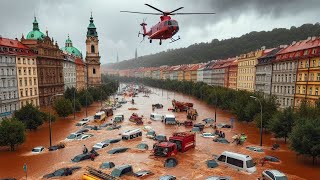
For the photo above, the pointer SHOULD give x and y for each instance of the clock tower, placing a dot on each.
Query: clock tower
(92, 56)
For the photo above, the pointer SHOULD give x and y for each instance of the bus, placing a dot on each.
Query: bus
(100, 116)
(131, 134)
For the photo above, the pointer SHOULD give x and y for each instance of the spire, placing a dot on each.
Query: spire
(92, 28)
(136, 54)
(117, 58)
(68, 42)
(35, 24)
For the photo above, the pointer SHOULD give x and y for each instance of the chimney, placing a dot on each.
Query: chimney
(309, 38)
(293, 42)
(313, 38)
(283, 46)
(263, 48)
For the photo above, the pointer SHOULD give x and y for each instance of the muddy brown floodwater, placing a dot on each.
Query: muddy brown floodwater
(192, 164)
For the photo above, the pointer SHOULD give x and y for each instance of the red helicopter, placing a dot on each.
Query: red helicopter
(166, 28)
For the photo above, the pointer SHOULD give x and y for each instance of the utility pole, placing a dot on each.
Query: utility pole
(50, 130)
(74, 103)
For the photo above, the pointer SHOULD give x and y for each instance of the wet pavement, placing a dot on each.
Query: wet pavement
(192, 164)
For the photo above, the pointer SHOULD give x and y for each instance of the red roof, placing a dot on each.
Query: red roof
(304, 44)
(17, 47)
(79, 61)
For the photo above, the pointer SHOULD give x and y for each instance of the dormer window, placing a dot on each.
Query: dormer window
(305, 52)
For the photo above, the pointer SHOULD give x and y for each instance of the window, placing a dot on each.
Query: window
(35, 81)
(318, 76)
(20, 82)
(301, 64)
(92, 49)
(299, 90)
(25, 82)
(24, 61)
(305, 77)
(270, 175)
(307, 64)
(26, 92)
(94, 71)
(222, 158)
(313, 63)
(317, 91)
(310, 91)
(235, 162)
(304, 90)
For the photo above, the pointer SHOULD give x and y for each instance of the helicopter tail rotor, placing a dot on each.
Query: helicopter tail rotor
(143, 25)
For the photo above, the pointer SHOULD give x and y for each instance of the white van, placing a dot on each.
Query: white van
(156, 117)
(238, 161)
(169, 119)
(131, 134)
(100, 116)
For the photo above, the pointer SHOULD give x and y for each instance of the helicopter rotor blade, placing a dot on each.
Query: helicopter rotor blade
(190, 13)
(176, 10)
(155, 8)
(141, 12)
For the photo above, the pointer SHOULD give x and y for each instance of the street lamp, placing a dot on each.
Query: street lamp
(257, 99)
(74, 103)
(50, 131)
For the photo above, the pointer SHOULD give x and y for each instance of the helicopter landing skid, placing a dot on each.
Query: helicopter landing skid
(174, 40)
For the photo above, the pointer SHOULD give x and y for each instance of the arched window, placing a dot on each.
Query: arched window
(92, 49)
(94, 71)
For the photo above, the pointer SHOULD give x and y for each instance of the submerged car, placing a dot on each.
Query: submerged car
(111, 141)
(223, 125)
(160, 138)
(219, 178)
(271, 159)
(118, 150)
(37, 149)
(121, 170)
(143, 173)
(151, 134)
(272, 174)
(56, 147)
(84, 137)
(167, 177)
(105, 124)
(72, 136)
(254, 148)
(82, 157)
(100, 145)
(62, 172)
(221, 140)
(83, 130)
(208, 135)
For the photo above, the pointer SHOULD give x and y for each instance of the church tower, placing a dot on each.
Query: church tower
(92, 55)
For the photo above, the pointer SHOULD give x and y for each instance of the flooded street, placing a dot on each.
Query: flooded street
(192, 164)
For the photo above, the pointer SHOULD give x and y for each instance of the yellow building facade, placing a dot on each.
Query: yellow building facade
(308, 80)
(27, 77)
(247, 70)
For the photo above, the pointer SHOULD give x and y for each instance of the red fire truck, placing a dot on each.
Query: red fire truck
(182, 142)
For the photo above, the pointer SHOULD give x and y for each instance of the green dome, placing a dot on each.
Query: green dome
(35, 33)
(72, 50)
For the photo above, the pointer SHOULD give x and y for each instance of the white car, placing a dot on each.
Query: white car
(87, 119)
(219, 178)
(72, 136)
(100, 145)
(83, 137)
(82, 123)
(37, 149)
(272, 174)
(208, 135)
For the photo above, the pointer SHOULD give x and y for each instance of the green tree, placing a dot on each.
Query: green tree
(63, 107)
(69, 93)
(77, 105)
(12, 133)
(305, 137)
(31, 116)
(83, 99)
(282, 122)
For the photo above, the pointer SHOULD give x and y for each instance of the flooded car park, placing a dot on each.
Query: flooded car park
(192, 163)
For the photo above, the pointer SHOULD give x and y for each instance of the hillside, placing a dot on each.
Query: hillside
(217, 49)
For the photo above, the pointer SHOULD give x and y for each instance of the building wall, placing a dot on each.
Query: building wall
(200, 75)
(80, 71)
(232, 78)
(187, 75)
(217, 77)
(263, 78)
(69, 73)
(194, 74)
(247, 70)
(27, 77)
(93, 61)
(283, 82)
(207, 75)
(180, 75)
(308, 80)
(8, 85)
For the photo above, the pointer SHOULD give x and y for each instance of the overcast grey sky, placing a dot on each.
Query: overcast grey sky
(118, 31)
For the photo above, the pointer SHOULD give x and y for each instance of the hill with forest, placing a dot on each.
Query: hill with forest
(221, 49)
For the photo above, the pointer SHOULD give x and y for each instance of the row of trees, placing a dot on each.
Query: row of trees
(12, 131)
(222, 49)
(301, 126)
